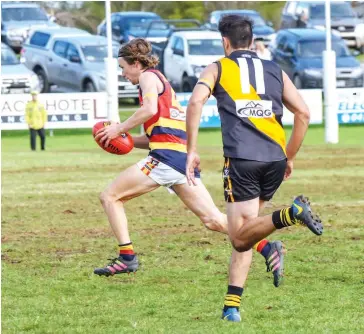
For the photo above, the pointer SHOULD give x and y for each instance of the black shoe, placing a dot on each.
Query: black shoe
(302, 214)
(118, 266)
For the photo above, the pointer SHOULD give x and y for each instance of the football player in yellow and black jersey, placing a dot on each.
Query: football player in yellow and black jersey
(250, 94)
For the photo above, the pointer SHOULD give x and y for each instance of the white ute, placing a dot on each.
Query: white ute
(187, 54)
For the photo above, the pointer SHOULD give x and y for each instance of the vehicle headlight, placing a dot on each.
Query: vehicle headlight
(15, 33)
(197, 70)
(314, 73)
(357, 72)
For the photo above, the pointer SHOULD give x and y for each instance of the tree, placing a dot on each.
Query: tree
(93, 12)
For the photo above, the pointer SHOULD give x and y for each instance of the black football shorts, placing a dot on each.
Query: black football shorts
(247, 179)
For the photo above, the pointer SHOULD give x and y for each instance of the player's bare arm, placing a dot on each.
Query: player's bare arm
(149, 85)
(294, 102)
(200, 95)
(141, 141)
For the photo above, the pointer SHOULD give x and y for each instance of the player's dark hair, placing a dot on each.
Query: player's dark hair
(139, 50)
(237, 29)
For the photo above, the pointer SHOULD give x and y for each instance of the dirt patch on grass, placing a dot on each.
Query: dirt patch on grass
(66, 169)
(325, 163)
(6, 258)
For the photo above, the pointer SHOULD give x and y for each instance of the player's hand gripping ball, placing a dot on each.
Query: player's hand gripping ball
(120, 145)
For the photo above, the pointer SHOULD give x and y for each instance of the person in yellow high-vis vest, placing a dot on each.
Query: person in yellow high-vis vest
(36, 117)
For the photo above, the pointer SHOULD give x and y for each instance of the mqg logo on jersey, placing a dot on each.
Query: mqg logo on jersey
(254, 108)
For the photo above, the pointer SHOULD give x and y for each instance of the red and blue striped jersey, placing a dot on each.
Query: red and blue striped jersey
(166, 130)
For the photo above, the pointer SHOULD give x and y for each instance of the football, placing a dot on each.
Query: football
(120, 145)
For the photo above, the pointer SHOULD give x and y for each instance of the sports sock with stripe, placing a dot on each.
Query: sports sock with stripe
(233, 297)
(283, 218)
(263, 247)
(126, 251)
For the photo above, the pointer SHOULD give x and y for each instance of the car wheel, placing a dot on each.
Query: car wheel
(297, 82)
(187, 85)
(89, 87)
(43, 81)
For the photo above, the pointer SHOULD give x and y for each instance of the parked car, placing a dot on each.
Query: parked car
(128, 25)
(18, 18)
(189, 48)
(344, 20)
(72, 59)
(261, 29)
(358, 7)
(299, 54)
(187, 54)
(15, 77)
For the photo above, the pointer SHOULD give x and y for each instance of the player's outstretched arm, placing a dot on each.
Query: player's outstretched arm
(200, 94)
(294, 102)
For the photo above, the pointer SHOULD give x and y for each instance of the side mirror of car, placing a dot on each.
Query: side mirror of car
(75, 59)
(270, 23)
(355, 53)
(168, 52)
(178, 52)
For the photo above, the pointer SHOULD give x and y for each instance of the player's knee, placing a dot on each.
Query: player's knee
(106, 198)
(240, 245)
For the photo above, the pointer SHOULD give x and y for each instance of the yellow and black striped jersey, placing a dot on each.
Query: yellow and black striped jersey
(249, 98)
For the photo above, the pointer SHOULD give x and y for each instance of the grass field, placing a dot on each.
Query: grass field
(54, 233)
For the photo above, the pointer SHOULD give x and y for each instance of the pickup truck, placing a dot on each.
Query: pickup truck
(187, 51)
(72, 59)
(345, 22)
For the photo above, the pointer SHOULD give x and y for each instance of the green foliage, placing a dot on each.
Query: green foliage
(93, 12)
(54, 232)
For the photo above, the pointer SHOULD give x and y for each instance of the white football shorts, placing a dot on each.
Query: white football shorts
(161, 173)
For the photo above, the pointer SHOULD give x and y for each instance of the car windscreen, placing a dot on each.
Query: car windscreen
(8, 57)
(141, 23)
(138, 26)
(317, 11)
(205, 47)
(257, 20)
(313, 49)
(23, 14)
(97, 53)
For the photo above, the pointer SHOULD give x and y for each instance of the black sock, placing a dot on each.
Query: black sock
(283, 218)
(233, 297)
